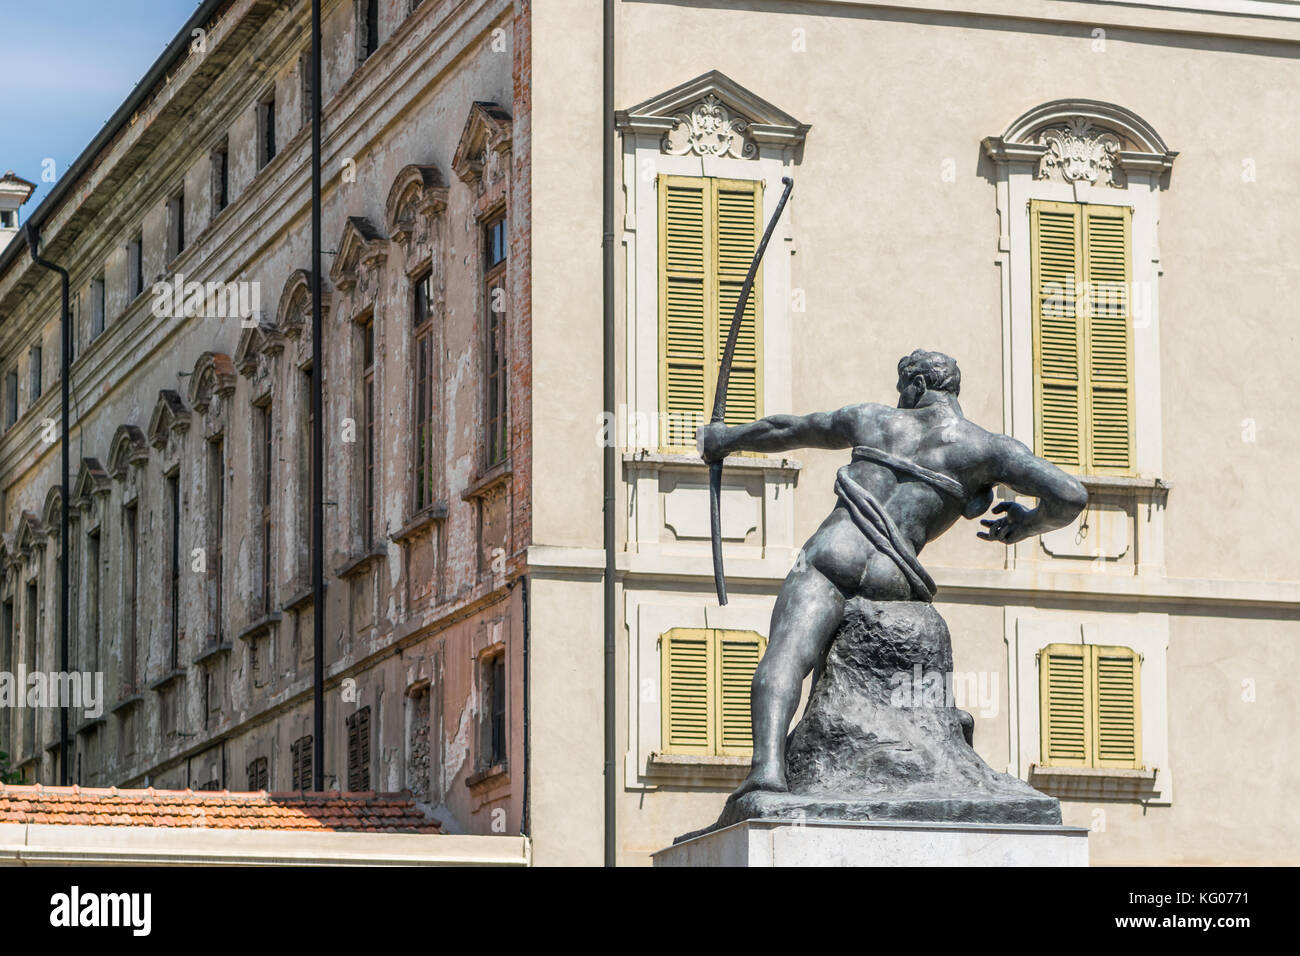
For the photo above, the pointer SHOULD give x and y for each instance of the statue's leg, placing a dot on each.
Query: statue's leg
(807, 613)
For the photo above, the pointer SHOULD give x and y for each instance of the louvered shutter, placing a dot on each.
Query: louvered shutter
(684, 298)
(1065, 701)
(363, 732)
(708, 231)
(1056, 239)
(1117, 705)
(738, 213)
(1109, 338)
(738, 656)
(687, 687)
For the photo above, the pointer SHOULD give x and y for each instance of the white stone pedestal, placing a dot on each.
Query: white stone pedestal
(836, 843)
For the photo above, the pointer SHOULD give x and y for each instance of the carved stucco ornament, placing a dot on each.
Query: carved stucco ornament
(710, 130)
(1080, 152)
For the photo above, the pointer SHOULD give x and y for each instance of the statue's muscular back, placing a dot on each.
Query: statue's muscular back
(935, 437)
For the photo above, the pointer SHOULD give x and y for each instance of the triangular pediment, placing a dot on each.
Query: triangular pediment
(360, 239)
(168, 412)
(713, 115)
(91, 478)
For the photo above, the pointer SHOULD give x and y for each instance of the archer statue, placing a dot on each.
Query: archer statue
(915, 470)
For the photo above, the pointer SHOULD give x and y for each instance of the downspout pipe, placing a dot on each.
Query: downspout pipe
(33, 235)
(610, 463)
(317, 422)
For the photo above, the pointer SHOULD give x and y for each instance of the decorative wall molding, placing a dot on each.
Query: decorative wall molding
(712, 115)
(1082, 141)
(484, 144)
(170, 416)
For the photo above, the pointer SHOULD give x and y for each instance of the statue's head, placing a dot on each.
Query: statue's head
(925, 371)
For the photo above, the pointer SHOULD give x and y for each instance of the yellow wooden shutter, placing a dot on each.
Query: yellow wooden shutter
(1064, 699)
(1109, 339)
(739, 215)
(1058, 332)
(1118, 707)
(738, 656)
(687, 691)
(1083, 342)
(708, 231)
(1091, 702)
(684, 305)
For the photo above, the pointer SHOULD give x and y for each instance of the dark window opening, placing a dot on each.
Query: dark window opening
(359, 751)
(301, 757)
(259, 776)
(174, 499)
(495, 294)
(425, 392)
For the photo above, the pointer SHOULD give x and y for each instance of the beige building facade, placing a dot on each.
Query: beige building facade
(967, 177)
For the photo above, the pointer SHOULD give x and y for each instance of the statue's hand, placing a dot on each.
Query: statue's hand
(1015, 525)
(711, 441)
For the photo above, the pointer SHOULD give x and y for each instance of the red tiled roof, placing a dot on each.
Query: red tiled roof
(341, 812)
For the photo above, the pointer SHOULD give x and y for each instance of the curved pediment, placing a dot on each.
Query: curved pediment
(1082, 141)
(127, 448)
(713, 115)
(293, 314)
(361, 243)
(52, 511)
(169, 413)
(417, 190)
(214, 373)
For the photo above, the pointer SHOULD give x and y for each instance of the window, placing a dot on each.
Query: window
(11, 399)
(258, 774)
(30, 644)
(131, 562)
(9, 665)
(705, 690)
(368, 437)
(265, 486)
(93, 582)
(307, 529)
(220, 177)
(216, 532)
(34, 377)
(300, 752)
(97, 305)
(495, 258)
(1090, 696)
(1083, 344)
(708, 231)
(492, 752)
(425, 393)
(176, 224)
(367, 28)
(266, 130)
(304, 88)
(135, 267)
(174, 501)
(359, 751)
(8, 219)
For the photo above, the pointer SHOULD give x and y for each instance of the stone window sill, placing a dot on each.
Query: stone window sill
(303, 599)
(700, 770)
(425, 519)
(359, 564)
(212, 651)
(166, 680)
(657, 461)
(127, 702)
(1122, 483)
(1090, 783)
(497, 773)
(260, 627)
(488, 481)
(89, 724)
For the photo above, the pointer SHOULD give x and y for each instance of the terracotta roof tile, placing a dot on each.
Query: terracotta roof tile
(367, 812)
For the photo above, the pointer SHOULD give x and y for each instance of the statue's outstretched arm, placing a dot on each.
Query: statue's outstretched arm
(778, 433)
(1060, 496)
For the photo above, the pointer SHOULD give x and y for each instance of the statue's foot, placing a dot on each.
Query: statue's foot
(762, 777)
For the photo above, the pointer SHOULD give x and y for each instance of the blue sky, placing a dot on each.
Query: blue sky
(65, 67)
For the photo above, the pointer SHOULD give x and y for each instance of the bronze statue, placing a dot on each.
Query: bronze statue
(915, 470)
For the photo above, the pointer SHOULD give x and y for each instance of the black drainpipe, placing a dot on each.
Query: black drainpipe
(65, 360)
(317, 424)
(611, 516)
